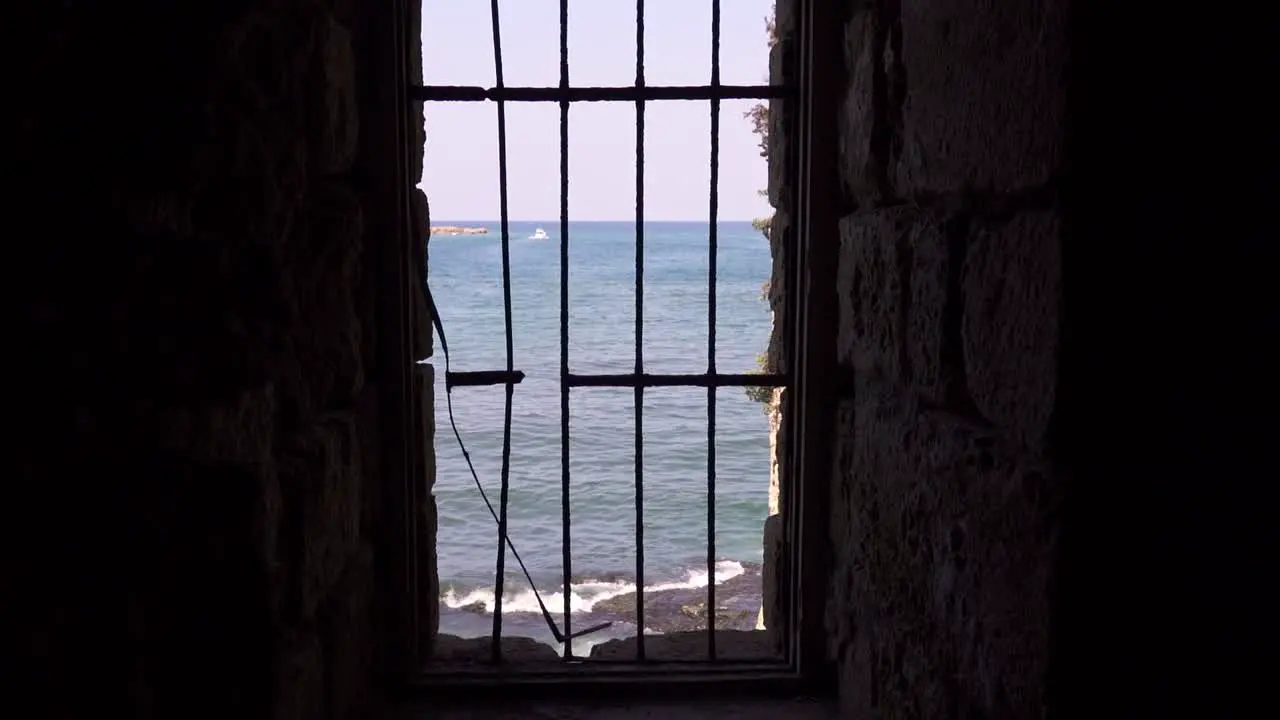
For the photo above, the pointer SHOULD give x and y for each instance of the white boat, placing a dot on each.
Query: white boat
(539, 234)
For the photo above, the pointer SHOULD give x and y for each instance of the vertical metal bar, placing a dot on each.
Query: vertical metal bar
(711, 335)
(565, 517)
(639, 392)
(500, 570)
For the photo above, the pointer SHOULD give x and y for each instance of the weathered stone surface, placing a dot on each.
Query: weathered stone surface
(452, 649)
(945, 534)
(421, 213)
(985, 96)
(869, 284)
(300, 691)
(897, 301)
(347, 637)
(239, 430)
(335, 127)
(324, 476)
(426, 376)
(655, 705)
(322, 348)
(780, 235)
(427, 521)
(417, 120)
(690, 646)
(772, 580)
(859, 169)
(931, 313)
(1012, 291)
(781, 60)
(202, 301)
(776, 451)
(785, 20)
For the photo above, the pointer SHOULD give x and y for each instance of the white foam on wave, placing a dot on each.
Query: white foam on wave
(583, 596)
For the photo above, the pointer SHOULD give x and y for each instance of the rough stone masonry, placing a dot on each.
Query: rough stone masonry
(943, 503)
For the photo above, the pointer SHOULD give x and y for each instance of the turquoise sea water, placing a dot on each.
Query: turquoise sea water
(466, 280)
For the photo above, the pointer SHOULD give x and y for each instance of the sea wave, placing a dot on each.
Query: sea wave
(583, 595)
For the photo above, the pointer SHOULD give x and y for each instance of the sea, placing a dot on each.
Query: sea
(465, 279)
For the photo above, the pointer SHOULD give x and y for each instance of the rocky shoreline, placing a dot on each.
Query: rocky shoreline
(685, 609)
(455, 230)
(678, 609)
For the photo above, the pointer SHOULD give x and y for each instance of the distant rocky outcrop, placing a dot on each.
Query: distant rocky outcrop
(455, 230)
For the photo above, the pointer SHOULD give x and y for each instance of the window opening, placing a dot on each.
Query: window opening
(640, 378)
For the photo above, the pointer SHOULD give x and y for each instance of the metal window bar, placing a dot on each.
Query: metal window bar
(711, 335)
(500, 569)
(565, 515)
(565, 95)
(639, 335)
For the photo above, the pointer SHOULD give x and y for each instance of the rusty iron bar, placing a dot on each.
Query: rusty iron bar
(480, 378)
(565, 515)
(698, 380)
(499, 579)
(711, 333)
(639, 335)
(564, 93)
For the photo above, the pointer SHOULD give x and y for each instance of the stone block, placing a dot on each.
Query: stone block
(347, 635)
(896, 300)
(931, 358)
(324, 360)
(334, 124)
(776, 450)
(428, 576)
(427, 524)
(773, 581)
(781, 236)
(781, 71)
(869, 284)
(1012, 299)
(781, 239)
(984, 94)
(422, 335)
(300, 691)
(786, 18)
(426, 388)
(239, 430)
(323, 477)
(944, 535)
(860, 170)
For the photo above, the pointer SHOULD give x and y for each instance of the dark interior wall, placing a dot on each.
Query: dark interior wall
(1055, 322)
(945, 493)
(200, 467)
(1168, 357)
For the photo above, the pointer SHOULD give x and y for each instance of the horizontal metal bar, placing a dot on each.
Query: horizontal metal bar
(704, 380)
(482, 377)
(463, 93)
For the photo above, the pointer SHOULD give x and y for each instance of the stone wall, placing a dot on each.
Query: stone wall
(1052, 321)
(199, 533)
(773, 609)
(943, 500)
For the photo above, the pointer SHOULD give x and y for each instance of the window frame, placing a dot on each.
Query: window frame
(809, 404)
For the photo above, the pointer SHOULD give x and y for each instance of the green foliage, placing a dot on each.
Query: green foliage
(761, 394)
(759, 117)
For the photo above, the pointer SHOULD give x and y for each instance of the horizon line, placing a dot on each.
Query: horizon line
(557, 220)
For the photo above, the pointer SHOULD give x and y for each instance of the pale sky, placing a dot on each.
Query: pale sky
(461, 176)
